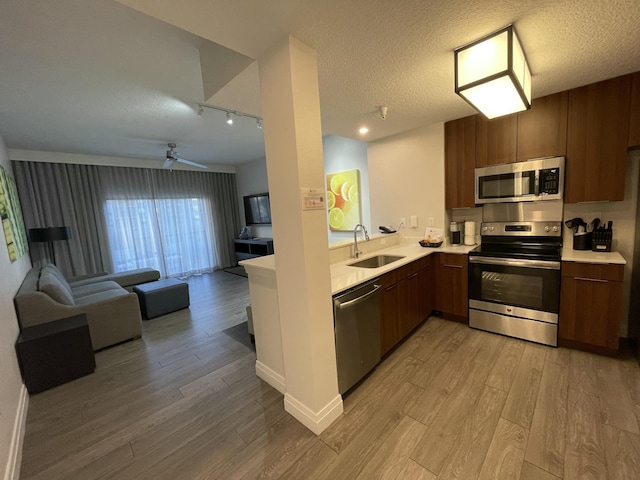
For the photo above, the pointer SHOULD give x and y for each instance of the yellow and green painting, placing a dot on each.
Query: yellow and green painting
(11, 216)
(343, 200)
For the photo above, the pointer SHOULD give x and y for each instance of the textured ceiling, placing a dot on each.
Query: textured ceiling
(96, 77)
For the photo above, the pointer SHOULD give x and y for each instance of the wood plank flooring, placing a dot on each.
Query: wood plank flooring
(450, 402)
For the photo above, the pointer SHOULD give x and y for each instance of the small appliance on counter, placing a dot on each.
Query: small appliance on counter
(469, 233)
(456, 234)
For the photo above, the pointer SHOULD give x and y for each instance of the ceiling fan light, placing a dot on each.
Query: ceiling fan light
(492, 74)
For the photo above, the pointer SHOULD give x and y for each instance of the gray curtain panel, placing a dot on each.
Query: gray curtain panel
(74, 195)
(54, 195)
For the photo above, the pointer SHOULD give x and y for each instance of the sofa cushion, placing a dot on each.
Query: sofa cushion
(59, 291)
(101, 296)
(84, 290)
(57, 274)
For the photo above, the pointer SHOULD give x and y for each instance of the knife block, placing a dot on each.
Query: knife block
(602, 240)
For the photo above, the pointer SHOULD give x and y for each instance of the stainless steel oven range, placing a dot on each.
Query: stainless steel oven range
(514, 280)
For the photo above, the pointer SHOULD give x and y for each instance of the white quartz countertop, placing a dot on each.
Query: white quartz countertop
(587, 256)
(344, 277)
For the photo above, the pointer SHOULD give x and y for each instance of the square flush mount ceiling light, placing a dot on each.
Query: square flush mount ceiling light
(492, 74)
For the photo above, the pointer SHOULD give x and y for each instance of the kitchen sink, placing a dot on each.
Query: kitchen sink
(377, 261)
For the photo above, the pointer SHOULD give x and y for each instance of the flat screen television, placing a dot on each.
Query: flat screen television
(257, 210)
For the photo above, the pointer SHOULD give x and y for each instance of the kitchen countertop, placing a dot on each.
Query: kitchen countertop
(587, 256)
(344, 277)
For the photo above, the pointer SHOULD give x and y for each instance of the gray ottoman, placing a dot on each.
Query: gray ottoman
(161, 297)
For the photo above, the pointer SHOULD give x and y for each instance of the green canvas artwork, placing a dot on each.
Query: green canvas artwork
(11, 215)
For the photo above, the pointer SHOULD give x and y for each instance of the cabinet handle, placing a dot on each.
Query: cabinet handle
(452, 266)
(591, 279)
(391, 287)
(413, 275)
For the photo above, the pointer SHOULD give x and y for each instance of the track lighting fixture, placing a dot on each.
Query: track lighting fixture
(229, 114)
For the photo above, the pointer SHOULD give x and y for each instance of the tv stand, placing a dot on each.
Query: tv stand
(255, 247)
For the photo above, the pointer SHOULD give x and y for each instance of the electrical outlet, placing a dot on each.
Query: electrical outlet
(414, 221)
(431, 222)
(403, 222)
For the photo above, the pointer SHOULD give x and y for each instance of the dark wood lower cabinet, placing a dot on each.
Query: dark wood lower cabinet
(407, 294)
(389, 313)
(452, 290)
(591, 306)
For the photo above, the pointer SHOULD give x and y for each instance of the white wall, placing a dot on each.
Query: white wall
(13, 396)
(406, 177)
(339, 154)
(251, 178)
(623, 215)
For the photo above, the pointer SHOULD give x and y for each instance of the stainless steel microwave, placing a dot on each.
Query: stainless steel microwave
(539, 179)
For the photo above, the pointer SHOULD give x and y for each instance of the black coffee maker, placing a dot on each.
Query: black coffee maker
(455, 230)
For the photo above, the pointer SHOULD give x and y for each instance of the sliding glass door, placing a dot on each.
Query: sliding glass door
(171, 235)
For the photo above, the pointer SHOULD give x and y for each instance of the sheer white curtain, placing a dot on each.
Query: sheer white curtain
(161, 220)
(172, 235)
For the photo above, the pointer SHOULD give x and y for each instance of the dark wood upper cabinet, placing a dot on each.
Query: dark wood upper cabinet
(634, 121)
(496, 140)
(542, 130)
(597, 139)
(460, 162)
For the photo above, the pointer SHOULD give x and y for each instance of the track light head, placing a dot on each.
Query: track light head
(259, 123)
(200, 110)
(229, 119)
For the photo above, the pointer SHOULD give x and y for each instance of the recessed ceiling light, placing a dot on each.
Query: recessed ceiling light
(363, 130)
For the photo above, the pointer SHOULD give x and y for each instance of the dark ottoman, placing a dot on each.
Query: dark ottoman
(161, 297)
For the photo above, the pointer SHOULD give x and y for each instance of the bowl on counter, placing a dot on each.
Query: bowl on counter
(424, 243)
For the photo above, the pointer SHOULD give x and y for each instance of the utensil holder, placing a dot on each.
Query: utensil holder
(583, 241)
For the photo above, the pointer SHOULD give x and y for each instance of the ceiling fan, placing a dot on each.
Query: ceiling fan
(173, 156)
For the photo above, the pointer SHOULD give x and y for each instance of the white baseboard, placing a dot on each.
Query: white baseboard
(12, 471)
(316, 422)
(270, 376)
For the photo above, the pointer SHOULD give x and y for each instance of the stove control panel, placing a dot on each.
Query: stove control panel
(522, 229)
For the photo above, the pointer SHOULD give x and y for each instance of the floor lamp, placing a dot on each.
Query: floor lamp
(49, 235)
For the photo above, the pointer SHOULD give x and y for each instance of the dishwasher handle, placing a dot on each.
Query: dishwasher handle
(339, 305)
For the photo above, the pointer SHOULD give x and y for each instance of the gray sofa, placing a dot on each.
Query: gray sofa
(113, 313)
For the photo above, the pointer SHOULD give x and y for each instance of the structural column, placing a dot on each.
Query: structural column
(293, 143)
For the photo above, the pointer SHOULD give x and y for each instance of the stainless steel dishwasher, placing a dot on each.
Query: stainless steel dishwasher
(356, 315)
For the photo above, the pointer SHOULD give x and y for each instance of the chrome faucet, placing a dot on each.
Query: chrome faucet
(355, 238)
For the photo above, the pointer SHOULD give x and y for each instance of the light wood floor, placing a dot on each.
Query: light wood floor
(451, 402)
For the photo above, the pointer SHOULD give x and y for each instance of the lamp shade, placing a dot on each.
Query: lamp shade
(49, 234)
(492, 74)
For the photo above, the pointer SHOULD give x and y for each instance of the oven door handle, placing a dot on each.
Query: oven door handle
(512, 262)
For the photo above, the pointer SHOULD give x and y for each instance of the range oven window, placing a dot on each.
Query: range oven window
(512, 289)
(507, 185)
(527, 287)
